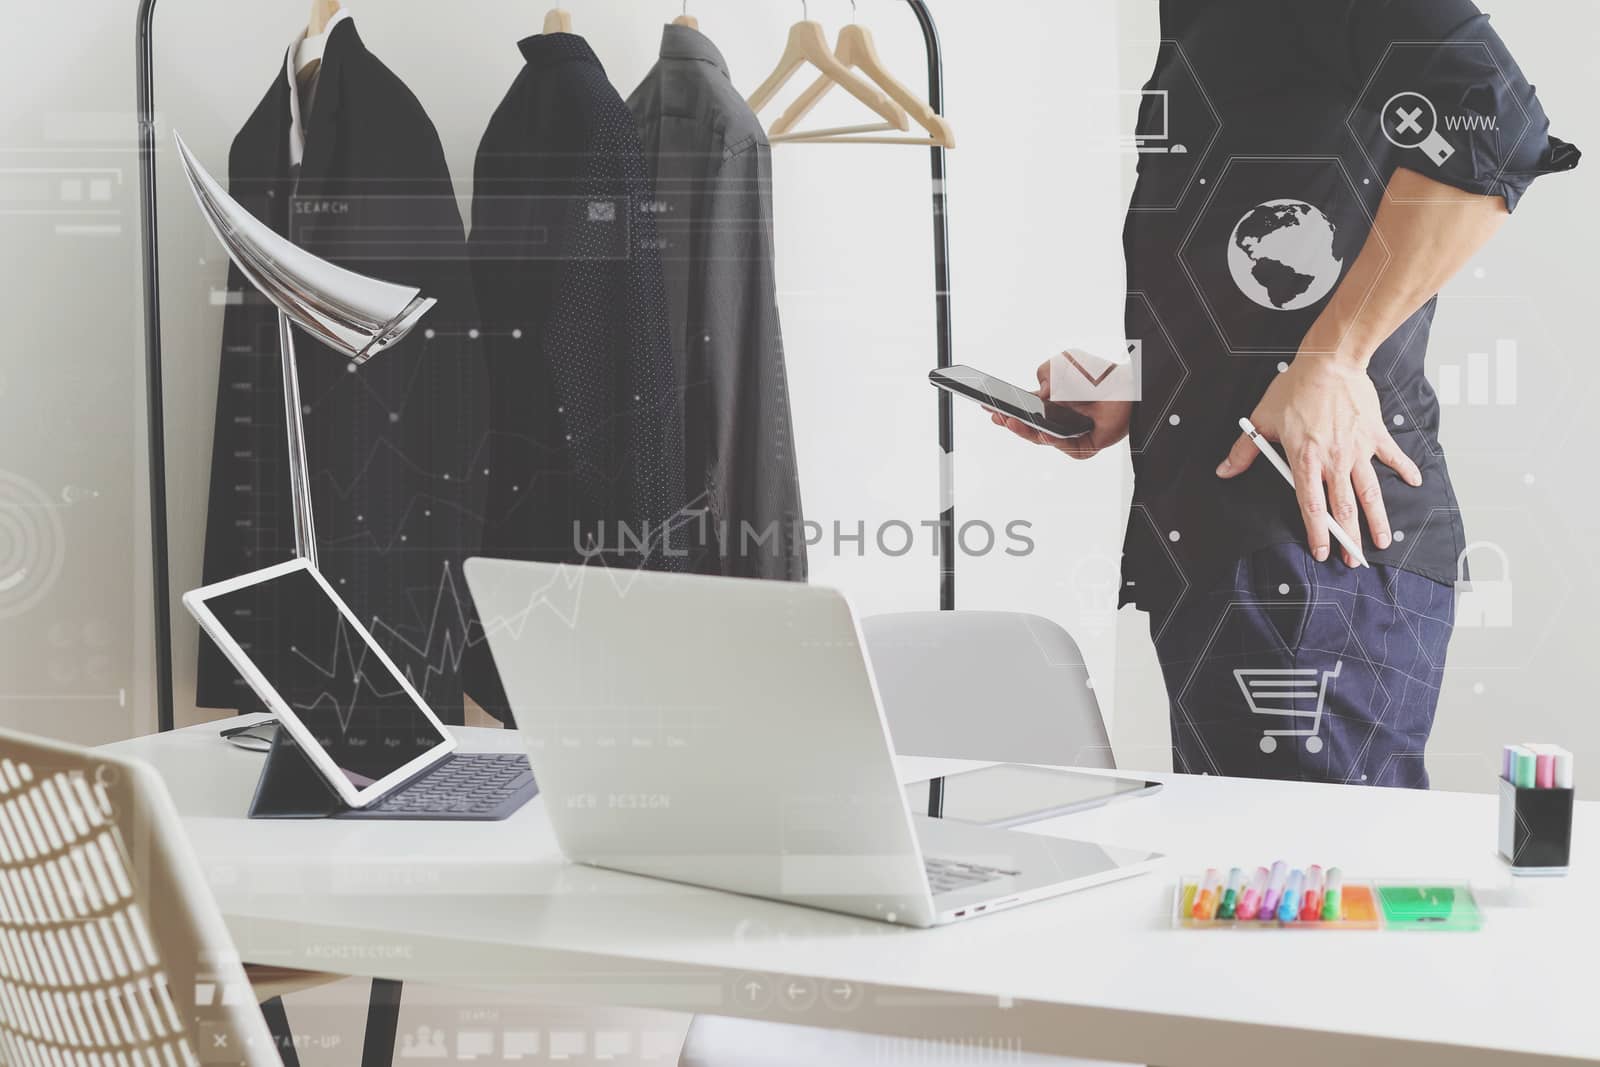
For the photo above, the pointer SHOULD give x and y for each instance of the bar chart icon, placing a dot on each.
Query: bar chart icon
(1485, 380)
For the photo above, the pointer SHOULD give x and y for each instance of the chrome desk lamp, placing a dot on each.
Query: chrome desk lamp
(354, 315)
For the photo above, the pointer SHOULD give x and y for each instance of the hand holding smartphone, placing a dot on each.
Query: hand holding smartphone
(1056, 420)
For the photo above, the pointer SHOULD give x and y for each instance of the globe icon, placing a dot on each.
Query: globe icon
(1281, 255)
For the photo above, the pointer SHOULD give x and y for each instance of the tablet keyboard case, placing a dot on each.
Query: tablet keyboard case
(487, 788)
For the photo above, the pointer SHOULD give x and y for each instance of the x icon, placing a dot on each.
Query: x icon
(1408, 120)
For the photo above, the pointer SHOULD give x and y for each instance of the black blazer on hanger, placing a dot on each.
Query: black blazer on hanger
(587, 427)
(712, 168)
(588, 436)
(395, 447)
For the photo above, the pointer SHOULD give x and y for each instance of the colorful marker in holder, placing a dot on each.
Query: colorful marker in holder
(1311, 906)
(1250, 900)
(1279, 898)
(1536, 808)
(1274, 896)
(1333, 896)
(1230, 895)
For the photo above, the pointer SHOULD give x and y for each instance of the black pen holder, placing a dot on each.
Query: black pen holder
(1536, 829)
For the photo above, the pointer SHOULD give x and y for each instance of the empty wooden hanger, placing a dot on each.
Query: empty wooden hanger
(856, 50)
(809, 44)
(559, 20)
(686, 19)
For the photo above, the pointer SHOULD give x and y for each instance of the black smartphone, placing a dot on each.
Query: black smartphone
(1057, 420)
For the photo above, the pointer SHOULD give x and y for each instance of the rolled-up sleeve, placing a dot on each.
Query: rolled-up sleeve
(1488, 122)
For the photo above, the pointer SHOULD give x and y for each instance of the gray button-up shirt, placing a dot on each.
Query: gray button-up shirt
(713, 177)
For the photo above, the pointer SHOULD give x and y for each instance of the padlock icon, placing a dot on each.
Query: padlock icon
(1483, 603)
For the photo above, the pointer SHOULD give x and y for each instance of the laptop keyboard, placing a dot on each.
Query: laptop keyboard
(946, 876)
(473, 785)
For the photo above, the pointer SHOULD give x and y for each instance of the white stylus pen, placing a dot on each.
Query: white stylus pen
(1276, 460)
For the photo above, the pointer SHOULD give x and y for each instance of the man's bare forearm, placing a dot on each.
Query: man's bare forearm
(1425, 233)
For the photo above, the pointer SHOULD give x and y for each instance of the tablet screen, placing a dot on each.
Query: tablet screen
(328, 673)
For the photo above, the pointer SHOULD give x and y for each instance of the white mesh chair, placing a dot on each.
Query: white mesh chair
(112, 952)
(982, 685)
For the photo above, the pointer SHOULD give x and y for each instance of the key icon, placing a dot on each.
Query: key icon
(1410, 120)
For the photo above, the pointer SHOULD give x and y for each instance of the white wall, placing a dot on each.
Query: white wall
(1037, 264)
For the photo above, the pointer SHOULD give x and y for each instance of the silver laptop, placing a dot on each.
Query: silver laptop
(727, 733)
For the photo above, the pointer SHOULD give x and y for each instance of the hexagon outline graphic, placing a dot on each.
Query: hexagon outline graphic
(1144, 512)
(1200, 216)
(1548, 617)
(1202, 156)
(1349, 120)
(1557, 358)
(1183, 366)
(1308, 605)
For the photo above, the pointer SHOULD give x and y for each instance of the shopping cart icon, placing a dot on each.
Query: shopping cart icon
(1299, 693)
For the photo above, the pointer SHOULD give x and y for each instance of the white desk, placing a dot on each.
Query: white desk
(1098, 973)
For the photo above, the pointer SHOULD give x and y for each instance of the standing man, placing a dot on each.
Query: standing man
(1340, 161)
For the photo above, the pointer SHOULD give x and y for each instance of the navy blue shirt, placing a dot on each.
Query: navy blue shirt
(1283, 123)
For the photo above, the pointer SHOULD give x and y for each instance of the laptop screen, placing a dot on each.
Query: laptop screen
(329, 674)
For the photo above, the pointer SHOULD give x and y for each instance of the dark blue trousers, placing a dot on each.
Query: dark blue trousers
(1287, 668)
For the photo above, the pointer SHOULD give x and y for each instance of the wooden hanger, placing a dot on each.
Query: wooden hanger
(808, 44)
(686, 19)
(321, 12)
(315, 41)
(856, 50)
(559, 20)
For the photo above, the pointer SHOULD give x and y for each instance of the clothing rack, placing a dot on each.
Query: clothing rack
(144, 41)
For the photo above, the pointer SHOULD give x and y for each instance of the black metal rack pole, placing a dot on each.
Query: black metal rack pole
(156, 439)
(946, 342)
(941, 296)
(159, 565)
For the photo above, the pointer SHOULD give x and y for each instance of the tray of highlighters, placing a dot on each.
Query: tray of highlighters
(1365, 905)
